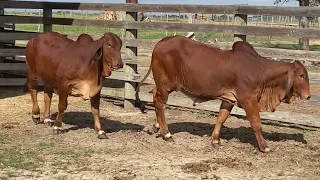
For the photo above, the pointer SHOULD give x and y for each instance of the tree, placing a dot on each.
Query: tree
(303, 22)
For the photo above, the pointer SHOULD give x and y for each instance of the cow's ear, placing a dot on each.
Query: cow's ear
(95, 50)
(290, 80)
(297, 64)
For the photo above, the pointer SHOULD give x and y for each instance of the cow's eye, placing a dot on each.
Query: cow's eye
(302, 76)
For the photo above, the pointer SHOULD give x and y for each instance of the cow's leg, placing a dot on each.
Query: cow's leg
(62, 106)
(48, 92)
(32, 83)
(155, 126)
(225, 109)
(95, 103)
(251, 108)
(160, 99)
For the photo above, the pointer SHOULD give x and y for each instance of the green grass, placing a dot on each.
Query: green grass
(4, 138)
(18, 158)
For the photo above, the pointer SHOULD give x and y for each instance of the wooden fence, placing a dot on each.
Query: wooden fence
(129, 75)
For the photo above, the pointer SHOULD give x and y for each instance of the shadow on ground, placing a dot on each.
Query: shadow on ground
(243, 134)
(81, 120)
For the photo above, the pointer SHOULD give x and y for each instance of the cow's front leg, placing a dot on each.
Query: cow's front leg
(251, 108)
(225, 109)
(95, 103)
(62, 106)
(48, 92)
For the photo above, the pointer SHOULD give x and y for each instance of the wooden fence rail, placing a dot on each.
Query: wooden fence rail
(131, 43)
(173, 8)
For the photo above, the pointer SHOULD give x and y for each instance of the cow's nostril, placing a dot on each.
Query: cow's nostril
(120, 65)
(308, 97)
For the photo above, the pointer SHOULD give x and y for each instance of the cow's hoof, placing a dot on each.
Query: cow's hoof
(36, 118)
(57, 131)
(265, 150)
(102, 135)
(169, 139)
(48, 122)
(155, 128)
(148, 131)
(215, 143)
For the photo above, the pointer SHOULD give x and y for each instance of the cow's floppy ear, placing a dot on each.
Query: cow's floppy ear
(290, 80)
(95, 50)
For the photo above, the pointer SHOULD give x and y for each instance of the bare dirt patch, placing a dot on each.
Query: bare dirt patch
(29, 151)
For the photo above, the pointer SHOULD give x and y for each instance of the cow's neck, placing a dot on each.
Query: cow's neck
(274, 88)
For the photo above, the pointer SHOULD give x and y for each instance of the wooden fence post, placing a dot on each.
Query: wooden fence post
(47, 13)
(131, 52)
(241, 20)
(1, 14)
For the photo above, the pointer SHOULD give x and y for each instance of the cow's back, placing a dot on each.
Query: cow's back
(44, 53)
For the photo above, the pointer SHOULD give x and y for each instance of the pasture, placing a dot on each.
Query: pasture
(29, 151)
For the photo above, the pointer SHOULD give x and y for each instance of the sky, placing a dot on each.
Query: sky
(198, 2)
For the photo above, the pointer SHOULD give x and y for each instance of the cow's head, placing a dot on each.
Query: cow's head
(109, 51)
(298, 82)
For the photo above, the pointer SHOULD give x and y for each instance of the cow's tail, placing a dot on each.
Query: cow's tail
(138, 101)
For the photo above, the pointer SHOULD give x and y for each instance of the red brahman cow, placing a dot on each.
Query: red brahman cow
(67, 67)
(237, 77)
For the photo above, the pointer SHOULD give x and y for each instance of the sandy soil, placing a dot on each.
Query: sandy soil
(29, 151)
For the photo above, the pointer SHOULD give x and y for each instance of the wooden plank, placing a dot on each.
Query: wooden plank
(281, 116)
(21, 19)
(11, 52)
(16, 35)
(170, 26)
(202, 9)
(12, 66)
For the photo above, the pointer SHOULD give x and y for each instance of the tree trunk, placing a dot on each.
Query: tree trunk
(304, 23)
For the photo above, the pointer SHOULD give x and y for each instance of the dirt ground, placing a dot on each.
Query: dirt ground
(29, 151)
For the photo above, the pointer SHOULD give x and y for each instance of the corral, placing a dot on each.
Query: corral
(30, 151)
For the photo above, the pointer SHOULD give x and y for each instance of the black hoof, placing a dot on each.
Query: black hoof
(36, 120)
(103, 136)
(155, 129)
(169, 139)
(57, 131)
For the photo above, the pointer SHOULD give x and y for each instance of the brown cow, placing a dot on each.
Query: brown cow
(239, 76)
(68, 67)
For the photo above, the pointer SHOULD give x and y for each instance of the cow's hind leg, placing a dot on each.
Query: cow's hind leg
(156, 125)
(48, 92)
(95, 103)
(251, 108)
(225, 109)
(32, 83)
(160, 98)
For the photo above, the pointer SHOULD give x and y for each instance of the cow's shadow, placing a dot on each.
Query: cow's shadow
(243, 134)
(82, 120)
